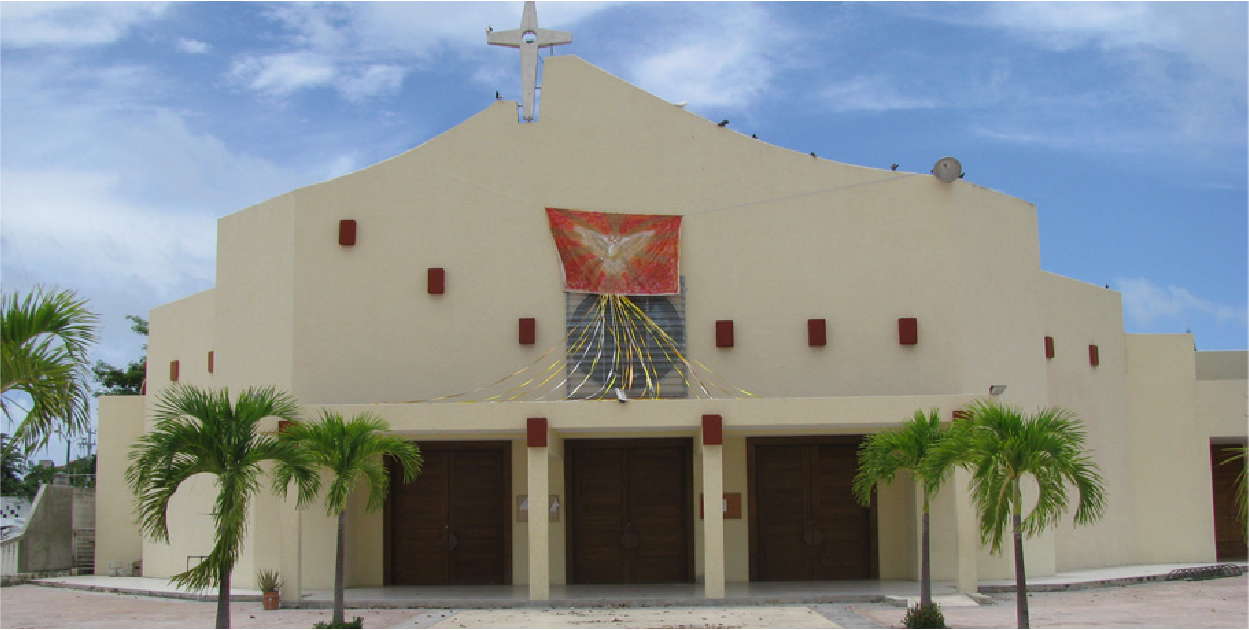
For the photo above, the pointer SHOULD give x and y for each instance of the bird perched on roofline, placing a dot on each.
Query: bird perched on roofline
(723, 123)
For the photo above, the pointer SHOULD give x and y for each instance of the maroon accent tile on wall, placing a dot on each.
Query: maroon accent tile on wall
(724, 333)
(347, 232)
(535, 432)
(528, 331)
(713, 429)
(908, 331)
(436, 279)
(817, 333)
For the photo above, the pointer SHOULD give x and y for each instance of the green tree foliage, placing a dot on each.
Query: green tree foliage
(44, 338)
(351, 450)
(200, 431)
(13, 467)
(128, 381)
(1001, 446)
(905, 449)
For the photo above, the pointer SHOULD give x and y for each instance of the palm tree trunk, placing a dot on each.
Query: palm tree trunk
(1021, 585)
(925, 561)
(337, 620)
(223, 599)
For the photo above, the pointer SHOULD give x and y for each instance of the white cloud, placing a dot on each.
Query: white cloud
(30, 24)
(1147, 304)
(192, 47)
(1176, 71)
(79, 223)
(364, 50)
(371, 81)
(696, 61)
(283, 73)
(873, 93)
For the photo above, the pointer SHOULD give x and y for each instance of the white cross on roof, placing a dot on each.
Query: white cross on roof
(528, 38)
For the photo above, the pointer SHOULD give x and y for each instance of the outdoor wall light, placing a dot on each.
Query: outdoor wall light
(997, 390)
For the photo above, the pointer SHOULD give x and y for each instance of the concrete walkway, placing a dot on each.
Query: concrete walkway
(1217, 603)
(738, 594)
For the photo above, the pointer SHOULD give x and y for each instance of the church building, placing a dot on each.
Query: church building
(638, 347)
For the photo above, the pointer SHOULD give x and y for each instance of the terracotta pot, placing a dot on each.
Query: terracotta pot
(272, 599)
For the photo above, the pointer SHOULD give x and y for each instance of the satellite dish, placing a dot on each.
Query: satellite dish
(947, 169)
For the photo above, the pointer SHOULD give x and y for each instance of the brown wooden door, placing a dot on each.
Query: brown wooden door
(450, 525)
(630, 519)
(1229, 533)
(805, 523)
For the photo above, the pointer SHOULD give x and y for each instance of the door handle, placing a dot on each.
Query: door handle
(449, 541)
(629, 539)
(813, 536)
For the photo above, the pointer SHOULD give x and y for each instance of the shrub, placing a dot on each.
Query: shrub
(924, 617)
(358, 622)
(267, 581)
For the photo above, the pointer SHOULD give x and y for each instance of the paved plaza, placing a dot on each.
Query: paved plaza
(1217, 603)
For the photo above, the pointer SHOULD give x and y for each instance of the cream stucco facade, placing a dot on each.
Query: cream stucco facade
(771, 238)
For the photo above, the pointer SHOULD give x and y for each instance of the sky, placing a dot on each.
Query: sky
(127, 129)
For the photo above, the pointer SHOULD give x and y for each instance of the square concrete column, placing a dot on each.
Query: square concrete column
(713, 510)
(290, 566)
(968, 532)
(538, 487)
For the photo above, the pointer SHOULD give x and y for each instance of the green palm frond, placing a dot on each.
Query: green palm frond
(352, 450)
(1001, 446)
(906, 448)
(200, 431)
(44, 338)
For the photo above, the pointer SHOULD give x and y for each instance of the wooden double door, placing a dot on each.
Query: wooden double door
(630, 514)
(1229, 532)
(451, 525)
(804, 521)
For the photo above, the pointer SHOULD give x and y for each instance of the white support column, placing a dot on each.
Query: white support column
(290, 567)
(539, 489)
(968, 533)
(713, 515)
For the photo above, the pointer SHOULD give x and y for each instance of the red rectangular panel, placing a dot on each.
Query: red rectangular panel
(959, 414)
(1094, 356)
(528, 331)
(347, 232)
(817, 333)
(713, 429)
(210, 361)
(437, 281)
(724, 333)
(174, 371)
(908, 331)
(283, 425)
(1049, 347)
(535, 432)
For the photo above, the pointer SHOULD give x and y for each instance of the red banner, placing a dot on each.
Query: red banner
(617, 254)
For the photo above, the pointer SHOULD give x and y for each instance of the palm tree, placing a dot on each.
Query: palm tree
(200, 431)
(44, 338)
(886, 453)
(352, 450)
(1000, 446)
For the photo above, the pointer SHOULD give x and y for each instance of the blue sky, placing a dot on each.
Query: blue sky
(129, 128)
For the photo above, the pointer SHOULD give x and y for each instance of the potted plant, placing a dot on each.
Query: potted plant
(267, 582)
